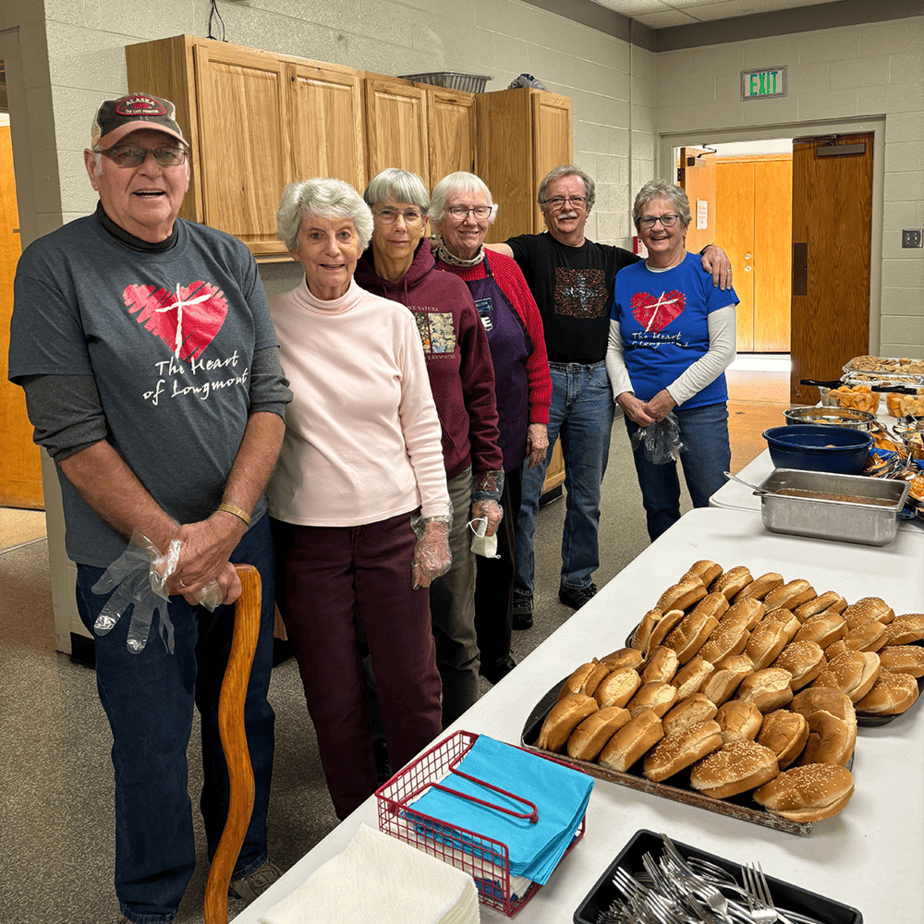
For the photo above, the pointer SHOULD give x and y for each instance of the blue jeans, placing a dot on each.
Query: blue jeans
(148, 698)
(704, 432)
(581, 415)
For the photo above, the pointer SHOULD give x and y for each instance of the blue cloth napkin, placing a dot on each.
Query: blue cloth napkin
(559, 793)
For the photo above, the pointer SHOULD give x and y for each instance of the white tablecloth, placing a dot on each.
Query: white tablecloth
(870, 856)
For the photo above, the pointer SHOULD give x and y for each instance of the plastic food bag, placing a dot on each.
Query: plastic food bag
(661, 440)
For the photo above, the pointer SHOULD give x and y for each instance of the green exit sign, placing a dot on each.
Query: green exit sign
(767, 83)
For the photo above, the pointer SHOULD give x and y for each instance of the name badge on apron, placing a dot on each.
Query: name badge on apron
(485, 308)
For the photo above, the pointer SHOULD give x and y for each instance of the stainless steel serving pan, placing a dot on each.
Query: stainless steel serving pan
(819, 518)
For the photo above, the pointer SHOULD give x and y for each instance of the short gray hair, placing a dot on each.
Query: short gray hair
(563, 171)
(662, 189)
(453, 184)
(400, 185)
(326, 198)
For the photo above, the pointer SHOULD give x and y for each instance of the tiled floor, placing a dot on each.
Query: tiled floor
(55, 775)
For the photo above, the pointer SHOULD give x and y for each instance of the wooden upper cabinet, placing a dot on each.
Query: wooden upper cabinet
(522, 135)
(396, 126)
(243, 142)
(326, 124)
(452, 131)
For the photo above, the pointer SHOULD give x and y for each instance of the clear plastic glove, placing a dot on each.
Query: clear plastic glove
(432, 558)
(483, 544)
(487, 486)
(661, 440)
(491, 511)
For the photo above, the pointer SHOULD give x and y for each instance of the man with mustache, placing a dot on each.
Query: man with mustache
(151, 371)
(572, 279)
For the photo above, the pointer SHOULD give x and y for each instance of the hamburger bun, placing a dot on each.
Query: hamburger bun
(563, 718)
(768, 688)
(905, 629)
(623, 657)
(853, 673)
(584, 679)
(804, 660)
(643, 630)
(704, 571)
(692, 676)
(807, 793)
(728, 638)
(825, 628)
(690, 635)
(767, 641)
(830, 599)
(790, 595)
(749, 611)
(675, 752)
(588, 739)
(830, 740)
(760, 587)
(663, 628)
(721, 684)
(731, 582)
(903, 659)
(867, 608)
(738, 719)
(824, 699)
(632, 741)
(735, 768)
(712, 605)
(870, 637)
(836, 648)
(785, 733)
(891, 694)
(661, 664)
(681, 596)
(689, 711)
(618, 687)
(657, 696)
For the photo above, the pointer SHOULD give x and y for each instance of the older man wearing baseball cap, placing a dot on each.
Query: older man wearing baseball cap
(151, 371)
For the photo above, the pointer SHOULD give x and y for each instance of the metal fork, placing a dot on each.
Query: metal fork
(760, 901)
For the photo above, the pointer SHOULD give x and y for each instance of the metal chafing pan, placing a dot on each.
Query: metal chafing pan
(845, 521)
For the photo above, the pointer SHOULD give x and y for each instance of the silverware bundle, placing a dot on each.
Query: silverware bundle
(676, 890)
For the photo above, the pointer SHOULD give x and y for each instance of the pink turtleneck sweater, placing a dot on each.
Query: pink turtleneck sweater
(363, 440)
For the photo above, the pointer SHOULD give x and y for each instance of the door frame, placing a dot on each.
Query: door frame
(666, 142)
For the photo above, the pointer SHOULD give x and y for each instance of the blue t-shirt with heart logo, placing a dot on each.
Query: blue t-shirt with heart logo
(663, 319)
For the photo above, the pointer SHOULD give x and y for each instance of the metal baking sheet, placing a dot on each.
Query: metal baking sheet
(830, 519)
(741, 807)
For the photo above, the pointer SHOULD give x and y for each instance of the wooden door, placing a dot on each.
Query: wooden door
(504, 160)
(832, 194)
(396, 127)
(325, 126)
(773, 254)
(244, 132)
(20, 460)
(551, 142)
(451, 132)
(696, 175)
(734, 233)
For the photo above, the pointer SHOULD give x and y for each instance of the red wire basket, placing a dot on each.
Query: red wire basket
(486, 860)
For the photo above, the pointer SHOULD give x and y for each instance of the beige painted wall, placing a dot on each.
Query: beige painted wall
(869, 73)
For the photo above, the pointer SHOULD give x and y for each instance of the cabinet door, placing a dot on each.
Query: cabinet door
(326, 124)
(451, 129)
(243, 142)
(551, 141)
(396, 127)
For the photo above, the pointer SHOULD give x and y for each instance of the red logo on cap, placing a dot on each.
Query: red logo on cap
(140, 106)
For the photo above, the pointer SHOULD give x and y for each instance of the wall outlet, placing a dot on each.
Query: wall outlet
(911, 237)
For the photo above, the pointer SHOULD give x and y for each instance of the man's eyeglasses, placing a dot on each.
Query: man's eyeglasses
(389, 216)
(649, 221)
(559, 201)
(134, 157)
(460, 212)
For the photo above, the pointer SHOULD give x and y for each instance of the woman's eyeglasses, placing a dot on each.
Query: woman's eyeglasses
(389, 216)
(649, 221)
(135, 157)
(460, 212)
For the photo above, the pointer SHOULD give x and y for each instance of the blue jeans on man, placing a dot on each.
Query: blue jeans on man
(707, 455)
(581, 416)
(149, 700)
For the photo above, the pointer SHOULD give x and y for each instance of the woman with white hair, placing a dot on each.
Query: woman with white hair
(361, 468)
(672, 336)
(461, 209)
(400, 265)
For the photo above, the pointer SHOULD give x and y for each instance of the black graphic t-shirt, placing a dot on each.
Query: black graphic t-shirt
(573, 287)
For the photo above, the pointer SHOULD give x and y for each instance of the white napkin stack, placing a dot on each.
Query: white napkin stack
(380, 880)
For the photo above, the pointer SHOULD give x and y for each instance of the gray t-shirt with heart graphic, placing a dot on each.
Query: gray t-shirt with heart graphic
(169, 339)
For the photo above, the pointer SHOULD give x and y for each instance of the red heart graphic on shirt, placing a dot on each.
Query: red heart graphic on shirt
(655, 313)
(187, 319)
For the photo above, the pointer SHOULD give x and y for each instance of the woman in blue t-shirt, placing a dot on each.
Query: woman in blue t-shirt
(672, 335)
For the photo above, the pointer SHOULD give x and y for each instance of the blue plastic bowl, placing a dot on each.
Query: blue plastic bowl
(819, 448)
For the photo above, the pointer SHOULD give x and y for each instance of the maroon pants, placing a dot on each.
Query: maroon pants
(327, 579)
